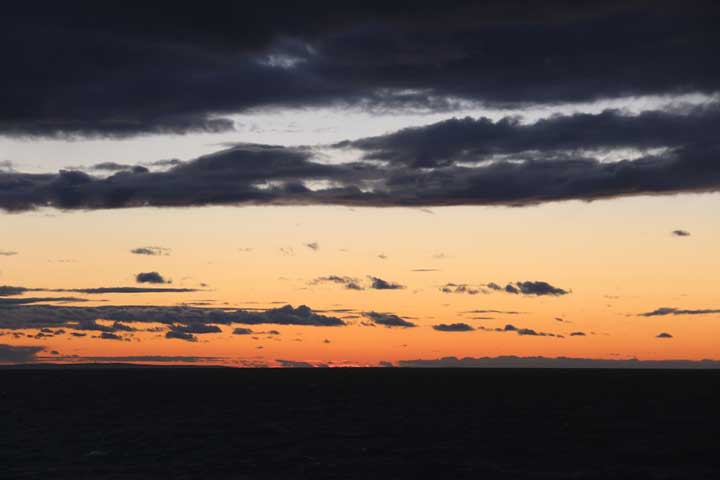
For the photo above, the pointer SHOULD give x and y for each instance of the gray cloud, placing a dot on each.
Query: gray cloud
(453, 327)
(348, 282)
(473, 140)
(681, 233)
(8, 291)
(150, 277)
(534, 288)
(180, 335)
(196, 328)
(663, 335)
(110, 336)
(150, 251)
(7, 253)
(242, 331)
(459, 288)
(509, 328)
(18, 354)
(380, 284)
(388, 320)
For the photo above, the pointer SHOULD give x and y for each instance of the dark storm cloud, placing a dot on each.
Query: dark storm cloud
(453, 327)
(380, 284)
(112, 76)
(577, 334)
(193, 318)
(18, 354)
(388, 320)
(150, 277)
(679, 311)
(664, 335)
(681, 233)
(559, 362)
(150, 251)
(474, 140)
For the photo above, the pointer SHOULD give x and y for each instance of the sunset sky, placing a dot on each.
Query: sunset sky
(362, 185)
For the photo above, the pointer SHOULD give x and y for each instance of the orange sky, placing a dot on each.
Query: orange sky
(617, 257)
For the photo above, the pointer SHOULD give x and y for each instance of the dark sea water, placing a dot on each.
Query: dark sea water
(186, 423)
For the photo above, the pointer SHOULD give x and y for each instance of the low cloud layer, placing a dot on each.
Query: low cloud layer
(559, 362)
(181, 319)
(18, 354)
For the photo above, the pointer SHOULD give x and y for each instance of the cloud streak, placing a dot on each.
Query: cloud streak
(180, 319)
(663, 311)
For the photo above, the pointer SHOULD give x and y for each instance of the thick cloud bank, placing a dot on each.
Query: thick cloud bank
(121, 70)
(456, 162)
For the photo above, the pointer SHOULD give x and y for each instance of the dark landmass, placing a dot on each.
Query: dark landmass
(180, 423)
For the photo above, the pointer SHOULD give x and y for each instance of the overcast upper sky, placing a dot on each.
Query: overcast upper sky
(177, 182)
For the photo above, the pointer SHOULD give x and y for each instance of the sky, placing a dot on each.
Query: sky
(502, 184)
